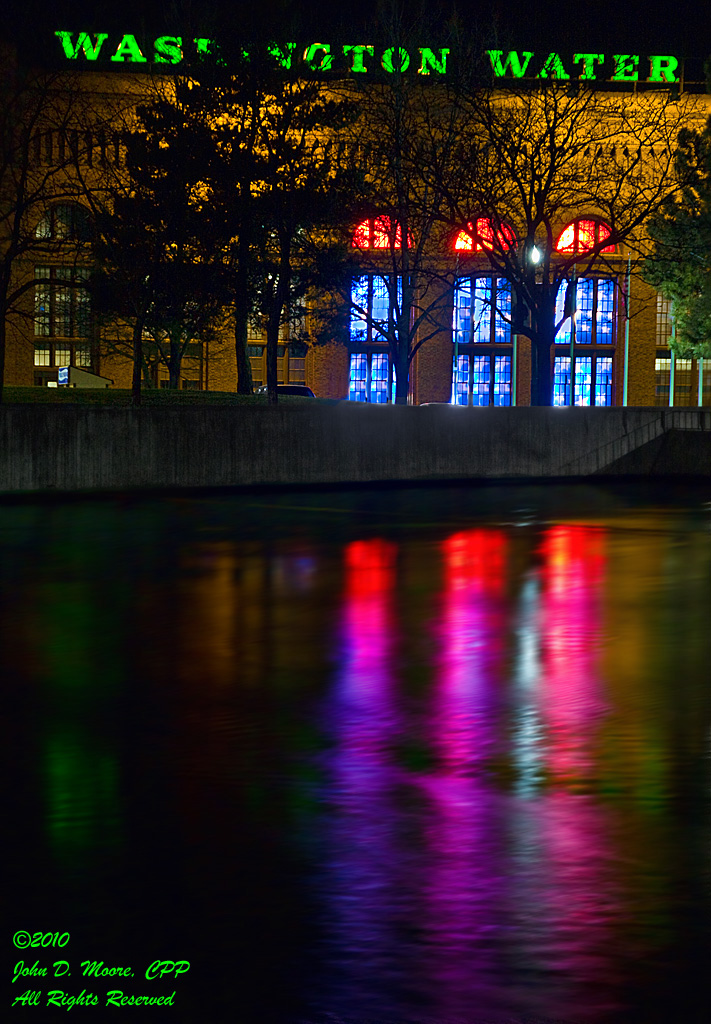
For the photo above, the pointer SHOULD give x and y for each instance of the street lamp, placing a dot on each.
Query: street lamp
(535, 255)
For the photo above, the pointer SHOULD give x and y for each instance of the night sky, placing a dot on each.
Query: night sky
(634, 26)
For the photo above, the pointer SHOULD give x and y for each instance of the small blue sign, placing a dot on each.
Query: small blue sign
(63, 375)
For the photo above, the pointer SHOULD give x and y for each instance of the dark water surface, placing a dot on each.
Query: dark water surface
(398, 756)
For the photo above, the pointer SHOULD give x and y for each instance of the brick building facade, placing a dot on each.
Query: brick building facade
(471, 358)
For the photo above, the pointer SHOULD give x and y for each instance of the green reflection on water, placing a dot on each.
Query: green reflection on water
(77, 649)
(82, 792)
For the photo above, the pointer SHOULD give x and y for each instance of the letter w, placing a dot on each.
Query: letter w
(91, 50)
(512, 61)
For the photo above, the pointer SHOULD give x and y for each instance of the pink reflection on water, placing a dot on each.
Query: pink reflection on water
(570, 699)
(470, 647)
(444, 888)
(464, 884)
(564, 902)
(363, 889)
(367, 633)
(564, 906)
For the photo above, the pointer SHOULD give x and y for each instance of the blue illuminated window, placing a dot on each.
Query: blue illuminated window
(482, 311)
(603, 380)
(502, 320)
(605, 311)
(358, 389)
(583, 379)
(561, 381)
(360, 304)
(502, 380)
(368, 379)
(380, 305)
(482, 380)
(480, 326)
(584, 294)
(482, 316)
(373, 304)
(462, 310)
(595, 304)
(594, 326)
(379, 378)
(460, 382)
(593, 380)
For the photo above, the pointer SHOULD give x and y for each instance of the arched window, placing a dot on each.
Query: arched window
(582, 235)
(65, 222)
(481, 235)
(377, 233)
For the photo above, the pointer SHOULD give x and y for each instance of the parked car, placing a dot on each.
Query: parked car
(301, 390)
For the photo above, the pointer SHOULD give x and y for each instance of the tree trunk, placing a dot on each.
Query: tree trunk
(402, 378)
(147, 373)
(279, 295)
(244, 369)
(245, 384)
(137, 361)
(541, 370)
(175, 362)
(174, 376)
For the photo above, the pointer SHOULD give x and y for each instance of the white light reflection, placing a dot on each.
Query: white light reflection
(527, 733)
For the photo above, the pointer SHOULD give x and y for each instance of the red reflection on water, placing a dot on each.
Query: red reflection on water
(570, 699)
(370, 565)
(367, 634)
(470, 642)
(475, 559)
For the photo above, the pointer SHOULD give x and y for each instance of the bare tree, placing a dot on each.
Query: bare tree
(410, 129)
(538, 157)
(297, 200)
(39, 136)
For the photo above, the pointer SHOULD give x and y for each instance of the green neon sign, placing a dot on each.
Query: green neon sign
(318, 57)
(512, 62)
(90, 48)
(356, 58)
(361, 58)
(621, 67)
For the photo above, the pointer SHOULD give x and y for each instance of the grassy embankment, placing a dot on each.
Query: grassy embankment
(149, 397)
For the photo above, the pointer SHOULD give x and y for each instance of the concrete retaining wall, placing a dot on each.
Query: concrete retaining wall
(70, 448)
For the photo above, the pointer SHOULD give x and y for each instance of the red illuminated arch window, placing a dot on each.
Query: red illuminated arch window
(481, 235)
(377, 233)
(582, 235)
